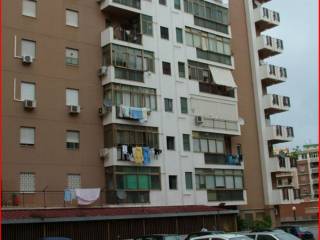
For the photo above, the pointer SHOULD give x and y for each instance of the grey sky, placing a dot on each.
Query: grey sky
(299, 30)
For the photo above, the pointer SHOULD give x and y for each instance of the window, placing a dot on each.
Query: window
(28, 48)
(72, 97)
(27, 182)
(72, 18)
(27, 136)
(208, 143)
(27, 91)
(177, 4)
(166, 68)
(184, 105)
(147, 25)
(29, 8)
(179, 35)
(188, 178)
(164, 33)
(173, 182)
(170, 143)
(182, 71)
(72, 56)
(163, 2)
(72, 139)
(186, 142)
(168, 106)
(74, 181)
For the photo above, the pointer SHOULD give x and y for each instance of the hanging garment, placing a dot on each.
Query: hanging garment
(67, 195)
(136, 113)
(144, 115)
(124, 149)
(126, 111)
(146, 155)
(138, 157)
(152, 154)
(120, 111)
(132, 156)
(87, 196)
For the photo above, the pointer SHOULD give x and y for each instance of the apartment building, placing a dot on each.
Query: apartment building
(134, 97)
(276, 181)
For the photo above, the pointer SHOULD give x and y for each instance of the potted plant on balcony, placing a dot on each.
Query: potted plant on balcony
(15, 199)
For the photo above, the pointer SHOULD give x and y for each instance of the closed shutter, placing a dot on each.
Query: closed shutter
(27, 91)
(29, 8)
(28, 48)
(74, 181)
(72, 96)
(72, 18)
(27, 136)
(73, 136)
(27, 182)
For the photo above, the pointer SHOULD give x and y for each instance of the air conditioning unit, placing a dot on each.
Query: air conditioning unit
(74, 109)
(104, 153)
(102, 111)
(199, 120)
(27, 60)
(29, 104)
(102, 71)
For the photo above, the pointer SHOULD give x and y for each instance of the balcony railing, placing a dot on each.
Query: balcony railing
(222, 159)
(127, 35)
(268, 46)
(44, 199)
(266, 18)
(271, 74)
(220, 124)
(225, 195)
(216, 89)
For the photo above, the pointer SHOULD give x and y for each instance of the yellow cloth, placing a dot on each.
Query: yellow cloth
(138, 157)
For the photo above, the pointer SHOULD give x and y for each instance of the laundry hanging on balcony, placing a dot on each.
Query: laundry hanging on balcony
(87, 196)
(135, 113)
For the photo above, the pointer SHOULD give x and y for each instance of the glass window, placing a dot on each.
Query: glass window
(204, 145)
(147, 25)
(166, 68)
(188, 179)
(28, 48)
(72, 56)
(220, 146)
(173, 182)
(184, 105)
(219, 181)
(182, 71)
(170, 143)
(212, 146)
(27, 136)
(27, 91)
(196, 145)
(177, 4)
(168, 105)
(210, 182)
(238, 182)
(29, 8)
(72, 139)
(27, 182)
(229, 182)
(164, 33)
(72, 96)
(72, 18)
(186, 142)
(179, 35)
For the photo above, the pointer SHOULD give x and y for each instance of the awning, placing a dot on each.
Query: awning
(222, 77)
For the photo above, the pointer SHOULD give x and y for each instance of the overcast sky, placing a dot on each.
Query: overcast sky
(299, 30)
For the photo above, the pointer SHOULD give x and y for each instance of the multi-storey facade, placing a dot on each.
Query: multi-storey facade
(252, 50)
(112, 76)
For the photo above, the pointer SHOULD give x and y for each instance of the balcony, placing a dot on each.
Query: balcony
(133, 113)
(314, 170)
(271, 74)
(268, 46)
(280, 164)
(265, 18)
(279, 134)
(275, 104)
(120, 35)
(120, 5)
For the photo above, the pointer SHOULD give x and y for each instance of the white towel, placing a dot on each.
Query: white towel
(124, 149)
(87, 196)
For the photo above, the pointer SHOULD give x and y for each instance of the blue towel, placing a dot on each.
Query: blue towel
(136, 113)
(67, 195)
(146, 155)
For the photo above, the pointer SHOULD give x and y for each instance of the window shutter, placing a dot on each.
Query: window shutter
(27, 135)
(72, 18)
(27, 91)
(72, 97)
(72, 53)
(29, 8)
(28, 48)
(74, 181)
(73, 136)
(27, 182)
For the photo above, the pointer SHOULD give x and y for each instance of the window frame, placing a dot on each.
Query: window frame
(33, 141)
(74, 145)
(23, 10)
(72, 11)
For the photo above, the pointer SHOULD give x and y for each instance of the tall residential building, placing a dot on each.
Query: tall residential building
(137, 98)
(275, 175)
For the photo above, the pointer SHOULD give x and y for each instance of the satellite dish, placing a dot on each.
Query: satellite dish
(121, 194)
